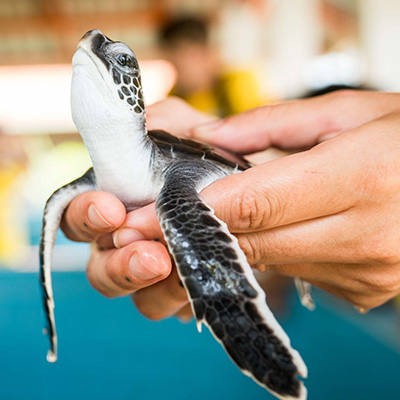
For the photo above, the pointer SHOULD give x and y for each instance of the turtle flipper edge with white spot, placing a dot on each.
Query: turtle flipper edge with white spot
(139, 167)
(53, 212)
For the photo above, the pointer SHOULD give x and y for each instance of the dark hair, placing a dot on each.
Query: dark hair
(188, 29)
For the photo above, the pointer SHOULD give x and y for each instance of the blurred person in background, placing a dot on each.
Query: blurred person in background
(185, 42)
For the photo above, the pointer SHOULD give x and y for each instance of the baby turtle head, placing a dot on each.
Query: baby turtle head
(106, 80)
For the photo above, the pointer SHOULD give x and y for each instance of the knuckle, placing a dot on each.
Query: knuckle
(250, 211)
(338, 97)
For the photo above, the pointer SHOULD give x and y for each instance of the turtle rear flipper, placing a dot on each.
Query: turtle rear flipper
(222, 289)
(304, 292)
(53, 211)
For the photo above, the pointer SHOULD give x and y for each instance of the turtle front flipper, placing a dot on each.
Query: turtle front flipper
(53, 211)
(222, 289)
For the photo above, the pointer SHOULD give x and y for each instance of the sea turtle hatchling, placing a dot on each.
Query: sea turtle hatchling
(140, 166)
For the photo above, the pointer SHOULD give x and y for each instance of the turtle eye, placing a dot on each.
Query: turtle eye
(125, 60)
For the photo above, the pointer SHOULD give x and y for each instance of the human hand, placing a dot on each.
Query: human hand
(93, 216)
(328, 215)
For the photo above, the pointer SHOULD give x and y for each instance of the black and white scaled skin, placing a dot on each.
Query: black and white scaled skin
(139, 167)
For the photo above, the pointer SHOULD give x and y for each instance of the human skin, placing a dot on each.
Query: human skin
(329, 214)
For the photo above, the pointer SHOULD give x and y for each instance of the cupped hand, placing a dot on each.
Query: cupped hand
(93, 216)
(328, 215)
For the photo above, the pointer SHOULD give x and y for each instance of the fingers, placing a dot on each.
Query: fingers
(296, 124)
(316, 241)
(175, 116)
(118, 272)
(284, 191)
(140, 224)
(114, 273)
(353, 236)
(105, 242)
(332, 177)
(91, 215)
(163, 299)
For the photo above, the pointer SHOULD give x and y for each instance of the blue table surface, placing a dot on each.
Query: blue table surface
(108, 351)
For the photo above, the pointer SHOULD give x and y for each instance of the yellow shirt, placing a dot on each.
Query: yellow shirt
(233, 92)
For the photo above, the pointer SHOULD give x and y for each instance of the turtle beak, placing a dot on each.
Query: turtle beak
(93, 39)
(91, 33)
(88, 38)
(93, 44)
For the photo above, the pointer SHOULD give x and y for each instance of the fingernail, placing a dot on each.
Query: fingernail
(124, 236)
(96, 218)
(140, 268)
(207, 129)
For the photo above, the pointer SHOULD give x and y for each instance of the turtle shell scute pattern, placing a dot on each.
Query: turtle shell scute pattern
(130, 90)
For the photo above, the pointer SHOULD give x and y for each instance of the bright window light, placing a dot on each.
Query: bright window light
(36, 99)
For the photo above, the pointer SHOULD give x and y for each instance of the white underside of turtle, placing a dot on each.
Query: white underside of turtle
(140, 167)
